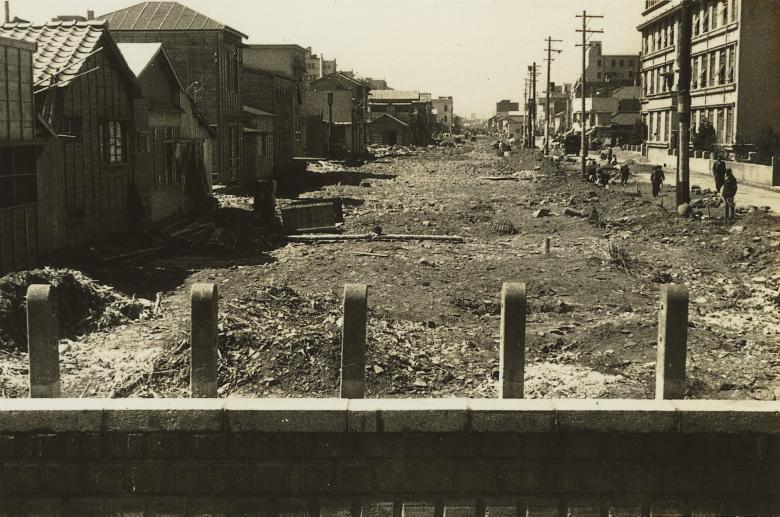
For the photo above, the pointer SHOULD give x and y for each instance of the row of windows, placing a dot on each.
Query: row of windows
(659, 123)
(708, 16)
(721, 118)
(713, 68)
(713, 14)
(658, 80)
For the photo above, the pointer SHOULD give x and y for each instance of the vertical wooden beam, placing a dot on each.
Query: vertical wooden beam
(512, 359)
(672, 343)
(204, 311)
(353, 341)
(43, 342)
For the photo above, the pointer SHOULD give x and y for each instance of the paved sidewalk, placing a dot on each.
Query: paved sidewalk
(747, 194)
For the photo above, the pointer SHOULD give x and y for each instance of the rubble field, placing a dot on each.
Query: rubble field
(434, 306)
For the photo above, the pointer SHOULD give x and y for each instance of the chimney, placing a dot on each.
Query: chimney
(7, 11)
(90, 15)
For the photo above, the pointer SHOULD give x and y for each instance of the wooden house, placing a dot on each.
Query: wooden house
(386, 129)
(179, 137)
(410, 107)
(278, 94)
(87, 108)
(344, 119)
(207, 56)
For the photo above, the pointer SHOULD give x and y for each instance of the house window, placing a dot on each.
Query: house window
(113, 145)
(18, 181)
(630, 74)
(695, 73)
(721, 125)
(704, 71)
(142, 143)
(733, 10)
(72, 129)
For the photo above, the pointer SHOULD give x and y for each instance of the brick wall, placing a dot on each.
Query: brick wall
(273, 457)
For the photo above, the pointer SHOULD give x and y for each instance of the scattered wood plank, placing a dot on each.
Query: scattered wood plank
(374, 237)
(500, 178)
(367, 254)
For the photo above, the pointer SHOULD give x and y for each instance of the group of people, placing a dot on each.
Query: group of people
(603, 175)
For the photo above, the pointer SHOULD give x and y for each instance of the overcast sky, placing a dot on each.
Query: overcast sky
(475, 50)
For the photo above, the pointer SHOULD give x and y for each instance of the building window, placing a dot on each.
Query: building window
(598, 62)
(695, 24)
(732, 62)
(598, 75)
(671, 32)
(704, 71)
(142, 143)
(712, 69)
(722, 66)
(18, 181)
(630, 74)
(733, 10)
(72, 129)
(113, 146)
(695, 73)
(721, 125)
(724, 12)
(729, 125)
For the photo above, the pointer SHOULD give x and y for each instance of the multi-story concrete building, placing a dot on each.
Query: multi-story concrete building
(444, 112)
(317, 66)
(506, 106)
(560, 100)
(601, 67)
(734, 75)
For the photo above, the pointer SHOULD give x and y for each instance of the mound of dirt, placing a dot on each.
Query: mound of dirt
(84, 305)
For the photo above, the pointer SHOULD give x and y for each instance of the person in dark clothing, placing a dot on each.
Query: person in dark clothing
(719, 172)
(624, 174)
(729, 192)
(657, 178)
(591, 171)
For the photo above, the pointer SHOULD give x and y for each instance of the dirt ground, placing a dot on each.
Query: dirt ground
(434, 306)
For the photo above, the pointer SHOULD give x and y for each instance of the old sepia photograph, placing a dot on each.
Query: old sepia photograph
(389, 258)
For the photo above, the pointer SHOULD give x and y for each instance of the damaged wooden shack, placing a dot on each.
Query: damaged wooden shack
(78, 157)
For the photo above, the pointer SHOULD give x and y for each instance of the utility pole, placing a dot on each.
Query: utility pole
(684, 104)
(585, 31)
(532, 107)
(330, 125)
(528, 111)
(526, 86)
(549, 60)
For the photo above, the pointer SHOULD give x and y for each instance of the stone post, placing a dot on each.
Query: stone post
(512, 359)
(672, 343)
(546, 246)
(353, 341)
(43, 333)
(203, 336)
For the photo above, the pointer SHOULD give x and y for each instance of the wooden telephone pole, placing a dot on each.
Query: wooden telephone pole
(549, 60)
(585, 31)
(532, 107)
(684, 104)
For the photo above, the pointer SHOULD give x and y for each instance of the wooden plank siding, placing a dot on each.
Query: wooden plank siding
(202, 57)
(83, 198)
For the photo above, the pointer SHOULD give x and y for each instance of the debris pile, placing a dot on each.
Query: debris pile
(84, 305)
(391, 151)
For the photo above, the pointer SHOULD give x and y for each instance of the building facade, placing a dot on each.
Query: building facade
(601, 67)
(443, 107)
(411, 107)
(207, 56)
(733, 85)
(337, 117)
(285, 61)
(317, 66)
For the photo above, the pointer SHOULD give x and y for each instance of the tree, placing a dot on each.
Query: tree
(767, 144)
(638, 133)
(705, 138)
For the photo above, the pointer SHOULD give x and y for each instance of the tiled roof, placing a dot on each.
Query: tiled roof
(625, 119)
(165, 16)
(405, 95)
(63, 47)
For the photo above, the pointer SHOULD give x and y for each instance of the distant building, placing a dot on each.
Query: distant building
(443, 107)
(411, 107)
(506, 106)
(377, 84)
(734, 72)
(207, 56)
(289, 62)
(337, 127)
(317, 66)
(601, 67)
(560, 101)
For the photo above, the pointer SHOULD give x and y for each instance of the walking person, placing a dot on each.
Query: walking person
(657, 178)
(624, 174)
(729, 192)
(719, 172)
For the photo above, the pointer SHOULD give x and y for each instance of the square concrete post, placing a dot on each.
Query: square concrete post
(353, 341)
(43, 332)
(512, 359)
(672, 343)
(203, 341)
(546, 246)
